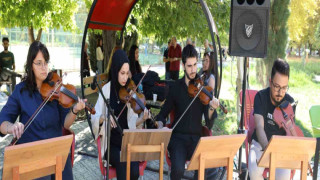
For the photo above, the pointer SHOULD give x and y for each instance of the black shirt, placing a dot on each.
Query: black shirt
(264, 107)
(179, 99)
(165, 55)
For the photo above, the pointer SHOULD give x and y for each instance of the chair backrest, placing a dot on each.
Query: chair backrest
(248, 107)
(314, 113)
(89, 80)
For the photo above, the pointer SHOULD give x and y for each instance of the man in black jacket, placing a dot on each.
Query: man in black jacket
(187, 132)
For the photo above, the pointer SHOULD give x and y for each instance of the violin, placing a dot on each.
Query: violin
(137, 100)
(205, 95)
(283, 115)
(65, 94)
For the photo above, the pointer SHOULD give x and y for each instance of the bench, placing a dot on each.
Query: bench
(87, 81)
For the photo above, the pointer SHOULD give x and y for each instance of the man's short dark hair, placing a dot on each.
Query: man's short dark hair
(280, 66)
(5, 39)
(188, 52)
(169, 41)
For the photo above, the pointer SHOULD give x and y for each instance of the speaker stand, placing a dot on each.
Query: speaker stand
(240, 128)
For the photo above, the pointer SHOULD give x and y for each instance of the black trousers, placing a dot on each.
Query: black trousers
(121, 167)
(181, 147)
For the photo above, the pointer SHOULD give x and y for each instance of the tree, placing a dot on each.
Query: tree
(37, 14)
(317, 38)
(278, 33)
(302, 21)
(183, 18)
(167, 18)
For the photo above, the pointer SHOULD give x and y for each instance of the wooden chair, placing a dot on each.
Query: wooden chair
(112, 170)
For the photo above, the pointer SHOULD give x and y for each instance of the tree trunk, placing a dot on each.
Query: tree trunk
(39, 34)
(299, 51)
(130, 40)
(278, 34)
(260, 72)
(30, 35)
(109, 41)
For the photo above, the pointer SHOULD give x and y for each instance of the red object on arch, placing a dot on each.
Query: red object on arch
(111, 14)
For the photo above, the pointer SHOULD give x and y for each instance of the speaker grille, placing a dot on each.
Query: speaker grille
(249, 28)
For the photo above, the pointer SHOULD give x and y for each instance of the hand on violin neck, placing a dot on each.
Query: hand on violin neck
(214, 103)
(81, 104)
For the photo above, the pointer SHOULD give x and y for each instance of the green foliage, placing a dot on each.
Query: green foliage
(303, 20)
(278, 33)
(317, 37)
(183, 18)
(38, 14)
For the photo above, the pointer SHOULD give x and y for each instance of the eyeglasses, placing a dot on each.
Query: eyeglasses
(40, 64)
(278, 88)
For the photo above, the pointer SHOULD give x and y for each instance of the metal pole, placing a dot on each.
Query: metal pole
(240, 129)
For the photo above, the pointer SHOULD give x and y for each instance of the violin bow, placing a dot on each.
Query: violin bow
(188, 107)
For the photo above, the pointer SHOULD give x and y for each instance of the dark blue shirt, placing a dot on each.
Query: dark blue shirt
(48, 123)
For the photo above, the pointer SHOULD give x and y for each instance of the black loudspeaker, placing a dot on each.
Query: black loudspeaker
(249, 23)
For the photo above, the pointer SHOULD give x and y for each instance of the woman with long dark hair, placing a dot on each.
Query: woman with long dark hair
(209, 79)
(135, 67)
(208, 69)
(119, 75)
(26, 98)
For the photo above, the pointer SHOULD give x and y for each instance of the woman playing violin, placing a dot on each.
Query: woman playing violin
(26, 98)
(128, 119)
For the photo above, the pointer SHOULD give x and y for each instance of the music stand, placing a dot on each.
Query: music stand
(36, 159)
(288, 152)
(216, 151)
(146, 144)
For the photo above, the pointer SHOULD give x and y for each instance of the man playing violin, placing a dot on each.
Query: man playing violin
(187, 132)
(26, 98)
(265, 103)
